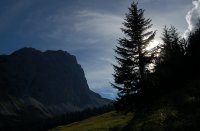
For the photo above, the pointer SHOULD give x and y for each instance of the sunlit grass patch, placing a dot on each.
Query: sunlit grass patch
(105, 122)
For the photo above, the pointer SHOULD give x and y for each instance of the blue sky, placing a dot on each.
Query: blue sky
(88, 29)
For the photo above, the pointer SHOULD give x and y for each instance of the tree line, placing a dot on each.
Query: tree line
(25, 123)
(175, 61)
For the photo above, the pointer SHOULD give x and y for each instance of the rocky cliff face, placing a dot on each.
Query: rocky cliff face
(50, 82)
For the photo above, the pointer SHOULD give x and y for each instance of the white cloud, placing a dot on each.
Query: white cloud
(192, 17)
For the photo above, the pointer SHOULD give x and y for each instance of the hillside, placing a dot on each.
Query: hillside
(176, 110)
(107, 121)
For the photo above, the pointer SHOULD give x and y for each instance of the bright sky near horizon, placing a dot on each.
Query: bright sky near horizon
(88, 29)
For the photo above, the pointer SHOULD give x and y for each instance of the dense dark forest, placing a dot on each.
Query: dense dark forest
(175, 62)
(45, 124)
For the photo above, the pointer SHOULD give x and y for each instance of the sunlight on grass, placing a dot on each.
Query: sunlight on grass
(104, 122)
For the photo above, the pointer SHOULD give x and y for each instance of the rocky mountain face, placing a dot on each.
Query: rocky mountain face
(47, 83)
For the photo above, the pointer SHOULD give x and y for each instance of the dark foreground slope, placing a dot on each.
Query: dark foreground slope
(175, 111)
(37, 85)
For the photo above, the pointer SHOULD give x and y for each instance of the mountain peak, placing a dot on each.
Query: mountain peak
(52, 80)
(31, 49)
(26, 50)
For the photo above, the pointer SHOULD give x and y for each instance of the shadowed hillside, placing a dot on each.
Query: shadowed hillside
(177, 110)
(37, 85)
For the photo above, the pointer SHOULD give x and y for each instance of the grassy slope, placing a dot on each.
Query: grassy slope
(107, 121)
(178, 110)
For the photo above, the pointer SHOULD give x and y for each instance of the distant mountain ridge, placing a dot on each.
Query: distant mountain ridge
(48, 83)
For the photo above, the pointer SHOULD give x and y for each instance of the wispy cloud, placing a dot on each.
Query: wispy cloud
(192, 17)
(89, 27)
(98, 23)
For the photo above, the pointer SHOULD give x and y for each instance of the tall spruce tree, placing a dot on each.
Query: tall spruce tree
(132, 58)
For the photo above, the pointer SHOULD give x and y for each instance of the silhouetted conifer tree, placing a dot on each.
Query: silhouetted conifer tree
(170, 64)
(193, 53)
(132, 58)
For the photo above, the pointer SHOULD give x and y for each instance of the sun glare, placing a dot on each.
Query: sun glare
(152, 44)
